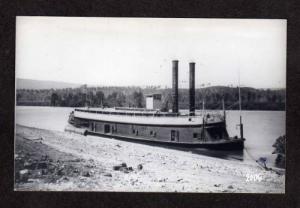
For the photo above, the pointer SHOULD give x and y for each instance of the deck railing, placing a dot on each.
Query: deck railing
(211, 114)
(152, 114)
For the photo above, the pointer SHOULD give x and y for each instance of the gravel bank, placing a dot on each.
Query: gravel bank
(50, 160)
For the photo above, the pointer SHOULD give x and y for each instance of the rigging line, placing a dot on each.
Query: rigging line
(252, 158)
(240, 101)
(232, 105)
(259, 165)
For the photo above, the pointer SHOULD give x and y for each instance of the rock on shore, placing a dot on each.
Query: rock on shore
(49, 160)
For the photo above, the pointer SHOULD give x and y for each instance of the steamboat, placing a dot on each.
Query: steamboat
(192, 129)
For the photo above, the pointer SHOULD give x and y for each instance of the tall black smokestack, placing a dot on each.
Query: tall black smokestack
(192, 89)
(175, 86)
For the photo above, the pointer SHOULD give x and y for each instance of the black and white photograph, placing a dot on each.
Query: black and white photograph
(194, 105)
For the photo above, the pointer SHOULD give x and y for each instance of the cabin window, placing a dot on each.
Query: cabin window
(153, 133)
(133, 131)
(195, 135)
(136, 132)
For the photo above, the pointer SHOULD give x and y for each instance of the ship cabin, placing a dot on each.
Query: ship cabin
(146, 124)
(153, 101)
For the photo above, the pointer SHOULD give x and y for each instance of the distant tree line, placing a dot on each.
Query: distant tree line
(252, 99)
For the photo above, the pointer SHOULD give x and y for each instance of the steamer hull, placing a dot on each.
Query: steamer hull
(166, 129)
(231, 144)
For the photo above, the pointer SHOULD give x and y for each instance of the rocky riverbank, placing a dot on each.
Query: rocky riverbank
(52, 161)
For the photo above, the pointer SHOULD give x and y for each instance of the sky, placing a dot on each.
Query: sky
(139, 51)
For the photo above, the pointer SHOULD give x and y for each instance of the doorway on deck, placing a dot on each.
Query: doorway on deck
(174, 135)
(106, 128)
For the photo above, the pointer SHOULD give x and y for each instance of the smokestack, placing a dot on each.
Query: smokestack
(175, 86)
(192, 89)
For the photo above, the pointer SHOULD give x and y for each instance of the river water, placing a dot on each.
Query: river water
(261, 128)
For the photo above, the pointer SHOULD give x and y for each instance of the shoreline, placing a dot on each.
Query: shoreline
(89, 163)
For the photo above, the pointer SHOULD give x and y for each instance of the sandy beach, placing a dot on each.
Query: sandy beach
(62, 161)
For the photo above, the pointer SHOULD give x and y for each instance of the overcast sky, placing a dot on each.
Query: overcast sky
(139, 51)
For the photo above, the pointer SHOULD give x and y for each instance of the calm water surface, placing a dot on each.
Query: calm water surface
(261, 128)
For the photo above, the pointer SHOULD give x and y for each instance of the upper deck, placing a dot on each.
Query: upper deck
(147, 117)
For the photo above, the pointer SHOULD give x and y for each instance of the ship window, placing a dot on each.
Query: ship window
(136, 132)
(133, 131)
(195, 135)
(151, 132)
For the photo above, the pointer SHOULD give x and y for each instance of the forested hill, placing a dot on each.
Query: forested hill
(252, 99)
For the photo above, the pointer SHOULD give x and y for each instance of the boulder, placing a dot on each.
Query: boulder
(108, 174)
(86, 174)
(116, 167)
(140, 167)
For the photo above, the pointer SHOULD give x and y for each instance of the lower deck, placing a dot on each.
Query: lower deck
(175, 134)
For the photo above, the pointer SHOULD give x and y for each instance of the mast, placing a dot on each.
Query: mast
(224, 112)
(203, 121)
(203, 100)
(203, 108)
(240, 109)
